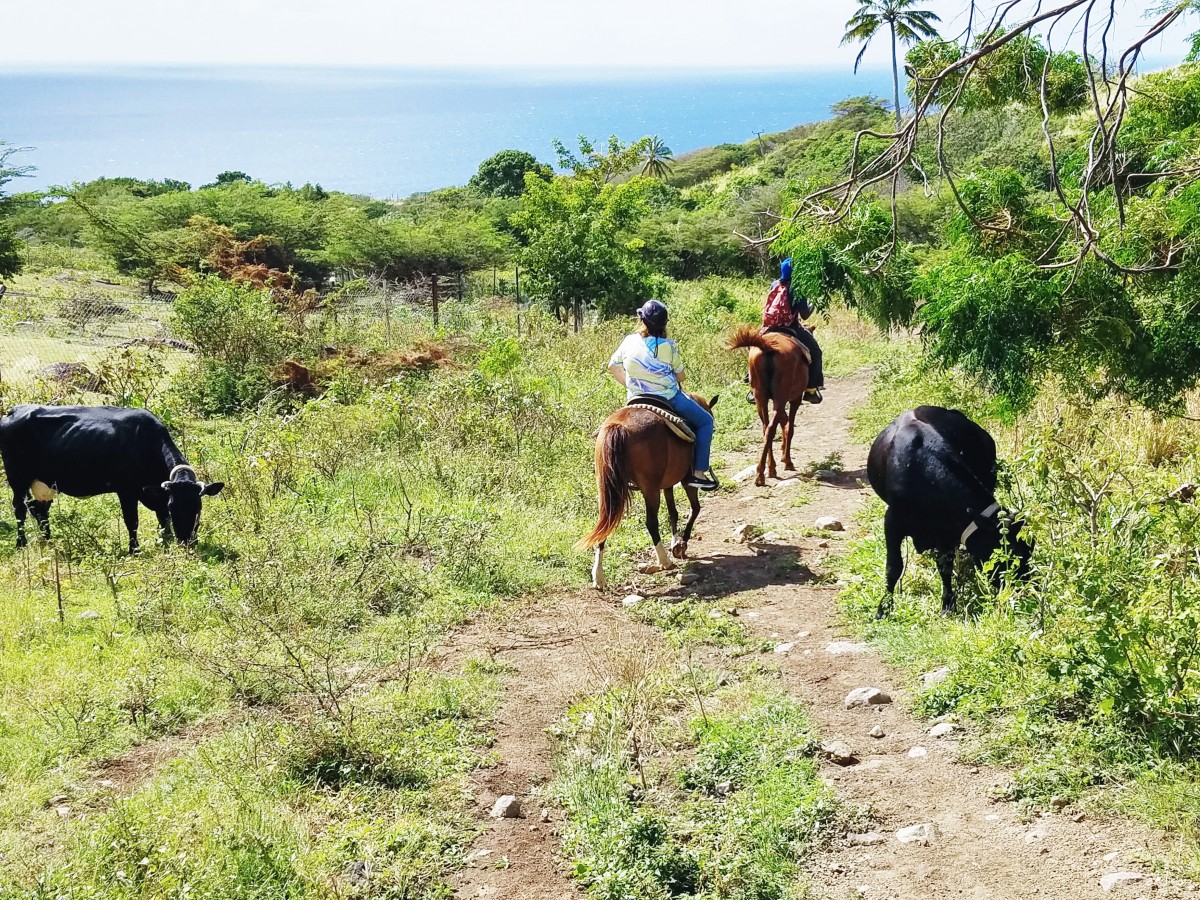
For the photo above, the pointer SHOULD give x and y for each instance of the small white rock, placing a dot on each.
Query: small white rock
(744, 532)
(916, 834)
(785, 647)
(830, 523)
(918, 752)
(632, 600)
(1116, 879)
(846, 648)
(770, 537)
(1112, 857)
(876, 731)
(686, 578)
(748, 472)
(838, 752)
(934, 678)
(88, 614)
(942, 729)
(507, 807)
(866, 696)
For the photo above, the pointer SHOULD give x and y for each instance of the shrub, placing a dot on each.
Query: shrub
(238, 337)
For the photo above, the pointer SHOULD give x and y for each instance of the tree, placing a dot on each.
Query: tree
(503, 173)
(656, 158)
(905, 24)
(10, 259)
(594, 164)
(578, 252)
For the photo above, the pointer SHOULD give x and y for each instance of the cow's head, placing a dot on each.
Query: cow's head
(181, 496)
(1004, 535)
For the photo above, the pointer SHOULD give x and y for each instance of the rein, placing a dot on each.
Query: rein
(974, 526)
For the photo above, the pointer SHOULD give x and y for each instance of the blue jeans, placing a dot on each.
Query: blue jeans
(700, 420)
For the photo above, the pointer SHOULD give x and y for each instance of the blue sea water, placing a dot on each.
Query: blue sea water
(383, 132)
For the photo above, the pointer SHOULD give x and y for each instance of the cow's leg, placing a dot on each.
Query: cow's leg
(129, 512)
(945, 567)
(673, 521)
(598, 580)
(893, 539)
(41, 515)
(693, 495)
(19, 510)
(652, 500)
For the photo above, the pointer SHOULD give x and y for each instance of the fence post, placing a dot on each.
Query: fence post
(434, 294)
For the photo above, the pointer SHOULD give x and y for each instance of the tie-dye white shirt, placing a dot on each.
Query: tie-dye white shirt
(652, 366)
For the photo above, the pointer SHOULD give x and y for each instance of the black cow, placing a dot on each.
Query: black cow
(87, 450)
(936, 470)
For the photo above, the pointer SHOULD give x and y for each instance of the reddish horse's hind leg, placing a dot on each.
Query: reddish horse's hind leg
(768, 456)
(789, 429)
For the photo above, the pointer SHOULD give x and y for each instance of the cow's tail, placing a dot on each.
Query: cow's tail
(748, 336)
(612, 483)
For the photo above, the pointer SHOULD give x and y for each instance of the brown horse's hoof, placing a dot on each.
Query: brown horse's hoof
(760, 481)
(679, 550)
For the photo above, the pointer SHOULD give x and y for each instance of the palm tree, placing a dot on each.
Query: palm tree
(906, 25)
(656, 158)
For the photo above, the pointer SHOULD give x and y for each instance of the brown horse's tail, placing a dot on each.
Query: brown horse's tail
(612, 483)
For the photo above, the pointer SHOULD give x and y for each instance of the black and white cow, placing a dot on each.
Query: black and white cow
(936, 470)
(87, 450)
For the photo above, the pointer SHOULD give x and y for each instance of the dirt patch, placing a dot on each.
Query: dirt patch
(555, 651)
(125, 773)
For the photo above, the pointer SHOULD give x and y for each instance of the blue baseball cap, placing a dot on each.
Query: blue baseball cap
(653, 313)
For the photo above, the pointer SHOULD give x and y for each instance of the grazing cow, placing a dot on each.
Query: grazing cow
(936, 470)
(87, 450)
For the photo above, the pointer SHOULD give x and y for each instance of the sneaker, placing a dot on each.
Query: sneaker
(746, 378)
(813, 395)
(704, 482)
(750, 398)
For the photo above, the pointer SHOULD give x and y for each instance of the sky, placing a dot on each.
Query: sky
(700, 34)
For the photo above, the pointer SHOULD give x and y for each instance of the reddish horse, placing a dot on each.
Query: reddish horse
(779, 373)
(636, 449)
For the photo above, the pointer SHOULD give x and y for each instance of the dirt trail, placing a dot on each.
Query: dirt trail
(980, 848)
(556, 650)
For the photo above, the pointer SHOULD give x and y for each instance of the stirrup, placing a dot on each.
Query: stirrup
(813, 395)
(704, 483)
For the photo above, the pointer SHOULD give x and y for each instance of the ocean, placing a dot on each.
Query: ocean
(382, 132)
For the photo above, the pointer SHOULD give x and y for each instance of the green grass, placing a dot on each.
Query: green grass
(718, 801)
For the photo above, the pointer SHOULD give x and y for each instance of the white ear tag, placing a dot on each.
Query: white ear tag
(165, 484)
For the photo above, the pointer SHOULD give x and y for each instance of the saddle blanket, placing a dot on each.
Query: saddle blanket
(661, 409)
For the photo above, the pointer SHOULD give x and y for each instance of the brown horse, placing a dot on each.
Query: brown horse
(636, 449)
(779, 373)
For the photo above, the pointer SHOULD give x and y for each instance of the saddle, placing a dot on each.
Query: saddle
(781, 329)
(662, 409)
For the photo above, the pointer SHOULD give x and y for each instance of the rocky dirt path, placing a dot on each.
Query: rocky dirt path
(973, 847)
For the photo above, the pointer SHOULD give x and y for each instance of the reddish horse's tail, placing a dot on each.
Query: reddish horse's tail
(612, 483)
(748, 336)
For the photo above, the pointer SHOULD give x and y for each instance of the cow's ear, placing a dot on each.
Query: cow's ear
(713, 401)
(210, 490)
(153, 496)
